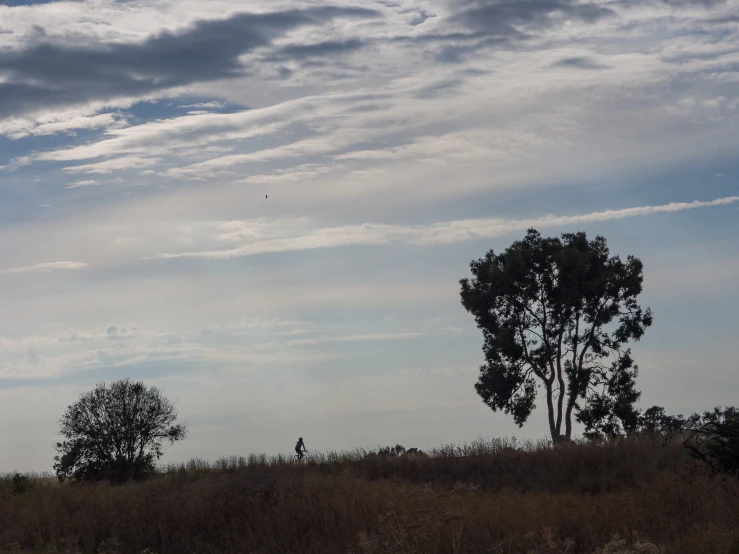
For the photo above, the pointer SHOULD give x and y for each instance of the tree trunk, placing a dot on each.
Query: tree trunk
(560, 401)
(568, 416)
(568, 423)
(550, 408)
(561, 385)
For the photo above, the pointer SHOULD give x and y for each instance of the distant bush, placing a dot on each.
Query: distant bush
(20, 483)
(394, 452)
(712, 437)
(655, 420)
(717, 444)
(397, 450)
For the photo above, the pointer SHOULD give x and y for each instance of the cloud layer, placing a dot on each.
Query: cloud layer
(44, 73)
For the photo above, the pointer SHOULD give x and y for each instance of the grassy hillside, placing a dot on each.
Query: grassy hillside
(494, 497)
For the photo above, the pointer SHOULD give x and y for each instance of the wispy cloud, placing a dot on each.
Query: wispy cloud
(115, 164)
(51, 124)
(47, 266)
(78, 184)
(184, 132)
(358, 338)
(242, 342)
(204, 106)
(439, 233)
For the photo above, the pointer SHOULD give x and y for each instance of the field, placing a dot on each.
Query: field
(494, 497)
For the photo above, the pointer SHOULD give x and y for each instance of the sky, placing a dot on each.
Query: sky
(264, 207)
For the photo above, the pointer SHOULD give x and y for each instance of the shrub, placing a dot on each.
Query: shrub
(717, 444)
(20, 483)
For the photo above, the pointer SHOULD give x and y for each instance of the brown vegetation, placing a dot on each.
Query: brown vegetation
(495, 497)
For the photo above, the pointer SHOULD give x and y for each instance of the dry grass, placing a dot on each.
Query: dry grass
(497, 497)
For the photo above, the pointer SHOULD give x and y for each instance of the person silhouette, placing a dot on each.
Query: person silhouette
(300, 448)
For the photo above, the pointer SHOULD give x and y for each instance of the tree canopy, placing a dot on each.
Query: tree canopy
(656, 420)
(557, 314)
(115, 432)
(716, 440)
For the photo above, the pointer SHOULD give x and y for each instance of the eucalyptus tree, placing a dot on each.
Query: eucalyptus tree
(557, 315)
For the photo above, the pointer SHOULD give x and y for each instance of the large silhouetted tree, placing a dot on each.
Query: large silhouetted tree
(115, 432)
(557, 314)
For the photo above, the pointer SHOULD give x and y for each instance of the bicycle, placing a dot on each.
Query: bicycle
(300, 457)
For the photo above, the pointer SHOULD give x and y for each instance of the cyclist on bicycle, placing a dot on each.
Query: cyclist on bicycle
(300, 448)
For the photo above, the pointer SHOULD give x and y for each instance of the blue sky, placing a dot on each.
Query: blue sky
(397, 141)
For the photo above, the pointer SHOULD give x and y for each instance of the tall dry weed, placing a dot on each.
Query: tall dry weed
(499, 496)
